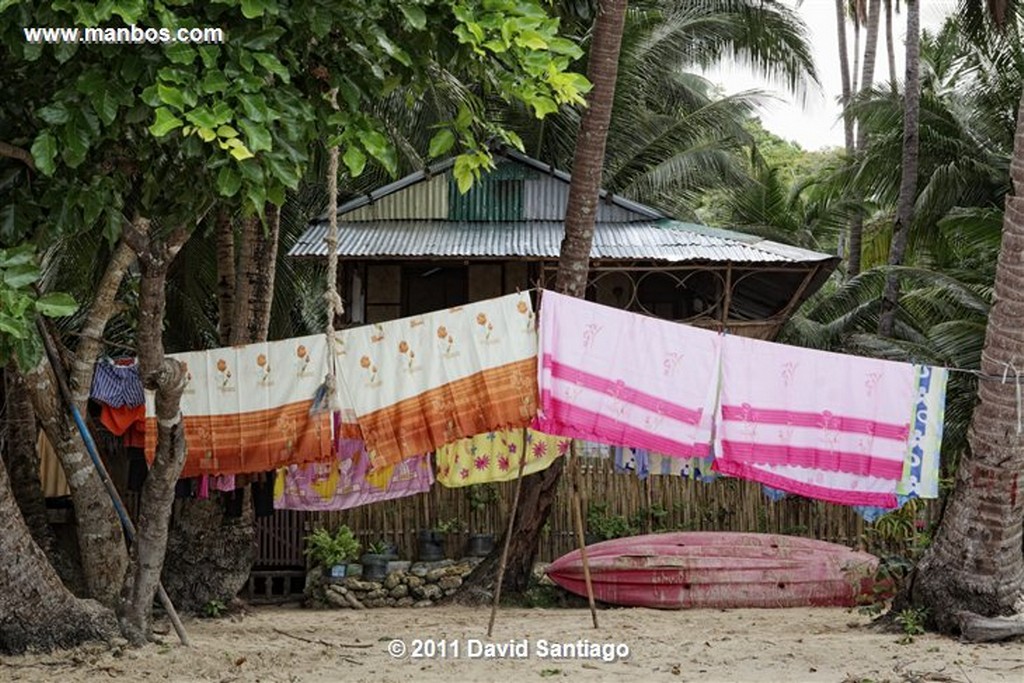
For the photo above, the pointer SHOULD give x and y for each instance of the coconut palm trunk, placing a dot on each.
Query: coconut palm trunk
(972, 576)
(866, 82)
(909, 164)
(538, 492)
(890, 49)
(844, 72)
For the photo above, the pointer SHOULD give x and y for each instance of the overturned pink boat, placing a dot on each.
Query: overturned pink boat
(720, 570)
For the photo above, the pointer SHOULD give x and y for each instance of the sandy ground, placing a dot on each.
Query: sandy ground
(791, 645)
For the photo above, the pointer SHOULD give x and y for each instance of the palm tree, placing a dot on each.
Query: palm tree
(908, 166)
(972, 577)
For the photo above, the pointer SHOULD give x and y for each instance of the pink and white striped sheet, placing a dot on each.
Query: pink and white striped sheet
(624, 379)
(824, 425)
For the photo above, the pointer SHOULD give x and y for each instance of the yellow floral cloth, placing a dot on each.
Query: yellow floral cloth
(494, 456)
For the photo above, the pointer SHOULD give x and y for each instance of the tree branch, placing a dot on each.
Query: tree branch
(10, 151)
(100, 311)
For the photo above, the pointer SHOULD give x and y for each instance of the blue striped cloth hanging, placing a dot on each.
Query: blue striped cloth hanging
(117, 385)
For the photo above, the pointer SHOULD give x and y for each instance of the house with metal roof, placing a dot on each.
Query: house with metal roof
(418, 244)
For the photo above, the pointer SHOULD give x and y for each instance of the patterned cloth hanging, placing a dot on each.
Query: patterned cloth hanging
(918, 466)
(615, 377)
(247, 409)
(495, 456)
(348, 482)
(116, 383)
(418, 383)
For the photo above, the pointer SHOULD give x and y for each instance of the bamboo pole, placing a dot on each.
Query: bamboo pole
(508, 540)
(115, 498)
(577, 509)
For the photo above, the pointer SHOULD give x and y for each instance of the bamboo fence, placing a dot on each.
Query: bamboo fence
(657, 503)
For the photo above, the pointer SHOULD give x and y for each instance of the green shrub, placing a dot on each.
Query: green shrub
(328, 550)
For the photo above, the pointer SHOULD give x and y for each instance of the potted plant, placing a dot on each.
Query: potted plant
(375, 561)
(332, 551)
(432, 541)
(480, 496)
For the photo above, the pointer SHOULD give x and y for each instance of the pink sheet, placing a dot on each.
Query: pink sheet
(624, 379)
(825, 425)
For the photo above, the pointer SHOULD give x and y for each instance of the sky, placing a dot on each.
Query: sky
(815, 123)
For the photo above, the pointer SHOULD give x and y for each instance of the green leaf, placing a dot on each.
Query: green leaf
(258, 136)
(255, 107)
(241, 153)
(21, 276)
(27, 351)
(205, 134)
(105, 104)
(463, 174)
(44, 152)
(380, 149)
(165, 122)
(171, 96)
(531, 40)
(214, 81)
(543, 105)
(288, 174)
(252, 8)
(12, 326)
(180, 53)
(228, 181)
(54, 114)
(17, 256)
(56, 305)
(442, 141)
(226, 131)
(355, 160)
(273, 65)
(415, 15)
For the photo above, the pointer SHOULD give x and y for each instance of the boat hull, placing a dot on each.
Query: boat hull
(720, 570)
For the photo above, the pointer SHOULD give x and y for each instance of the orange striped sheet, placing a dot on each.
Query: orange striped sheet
(497, 398)
(250, 442)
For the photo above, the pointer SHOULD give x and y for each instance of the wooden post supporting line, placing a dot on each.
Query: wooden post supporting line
(577, 509)
(508, 540)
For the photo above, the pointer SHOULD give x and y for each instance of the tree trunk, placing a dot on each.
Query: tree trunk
(242, 312)
(23, 468)
(538, 493)
(103, 307)
(260, 275)
(975, 567)
(866, 81)
(167, 377)
(847, 96)
(844, 72)
(98, 529)
(225, 275)
(209, 554)
(890, 49)
(908, 179)
(36, 610)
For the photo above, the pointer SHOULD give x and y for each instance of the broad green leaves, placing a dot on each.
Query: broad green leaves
(19, 306)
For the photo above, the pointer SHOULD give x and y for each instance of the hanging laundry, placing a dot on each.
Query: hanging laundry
(921, 469)
(247, 408)
(127, 422)
(696, 469)
(495, 456)
(632, 461)
(347, 481)
(919, 460)
(421, 382)
(117, 383)
(839, 423)
(625, 379)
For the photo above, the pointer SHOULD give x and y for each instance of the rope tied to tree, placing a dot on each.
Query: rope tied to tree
(335, 304)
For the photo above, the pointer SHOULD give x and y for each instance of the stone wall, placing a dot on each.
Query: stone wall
(417, 584)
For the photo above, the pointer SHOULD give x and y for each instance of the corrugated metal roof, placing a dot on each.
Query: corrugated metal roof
(665, 240)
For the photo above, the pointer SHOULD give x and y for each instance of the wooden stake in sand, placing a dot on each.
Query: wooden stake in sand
(508, 540)
(577, 510)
